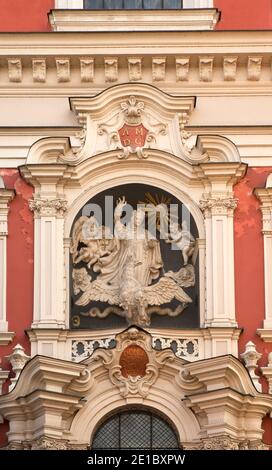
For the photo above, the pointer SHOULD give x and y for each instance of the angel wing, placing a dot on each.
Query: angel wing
(100, 292)
(164, 291)
(77, 235)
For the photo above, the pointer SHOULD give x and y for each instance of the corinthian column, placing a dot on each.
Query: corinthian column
(218, 205)
(49, 207)
(265, 197)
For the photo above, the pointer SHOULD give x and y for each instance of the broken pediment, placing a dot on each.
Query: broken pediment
(133, 120)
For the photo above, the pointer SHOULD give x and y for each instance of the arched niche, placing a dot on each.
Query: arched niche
(91, 262)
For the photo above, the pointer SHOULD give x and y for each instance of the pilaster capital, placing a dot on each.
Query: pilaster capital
(48, 207)
(6, 195)
(218, 204)
(265, 197)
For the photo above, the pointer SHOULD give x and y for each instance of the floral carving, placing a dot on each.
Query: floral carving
(48, 207)
(136, 384)
(81, 280)
(218, 203)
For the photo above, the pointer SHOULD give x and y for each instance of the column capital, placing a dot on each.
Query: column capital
(48, 207)
(217, 203)
(6, 195)
(265, 197)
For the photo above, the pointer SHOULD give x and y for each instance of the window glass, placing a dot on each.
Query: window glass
(132, 4)
(135, 430)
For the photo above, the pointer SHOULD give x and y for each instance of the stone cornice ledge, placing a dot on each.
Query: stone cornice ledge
(6, 337)
(134, 20)
(265, 334)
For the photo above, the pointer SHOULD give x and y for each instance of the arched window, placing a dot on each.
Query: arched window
(135, 429)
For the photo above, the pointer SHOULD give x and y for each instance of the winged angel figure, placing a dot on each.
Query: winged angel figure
(127, 266)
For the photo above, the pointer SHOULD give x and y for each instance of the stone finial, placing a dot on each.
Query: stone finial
(251, 357)
(18, 359)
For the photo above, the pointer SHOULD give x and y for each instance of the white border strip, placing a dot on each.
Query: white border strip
(78, 4)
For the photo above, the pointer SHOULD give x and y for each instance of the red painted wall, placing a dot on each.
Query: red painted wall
(19, 269)
(31, 15)
(244, 14)
(249, 270)
(25, 15)
(249, 260)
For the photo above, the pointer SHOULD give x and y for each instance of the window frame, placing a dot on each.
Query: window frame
(78, 4)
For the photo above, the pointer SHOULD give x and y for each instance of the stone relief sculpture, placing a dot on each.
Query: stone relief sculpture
(127, 269)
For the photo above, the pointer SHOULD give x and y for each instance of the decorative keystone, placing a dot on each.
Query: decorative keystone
(251, 357)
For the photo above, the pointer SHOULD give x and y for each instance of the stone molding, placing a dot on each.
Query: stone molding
(265, 197)
(139, 20)
(208, 397)
(6, 196)
(234, 65)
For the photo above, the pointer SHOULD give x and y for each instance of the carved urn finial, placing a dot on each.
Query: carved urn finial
(251, 357)
(18, 359)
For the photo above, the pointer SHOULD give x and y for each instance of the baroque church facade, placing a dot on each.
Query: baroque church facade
(136, 225)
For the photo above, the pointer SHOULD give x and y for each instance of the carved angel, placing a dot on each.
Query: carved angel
(90, 241)
(183, 239)
(127, 266)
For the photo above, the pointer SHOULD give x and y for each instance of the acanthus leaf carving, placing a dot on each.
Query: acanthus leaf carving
(220, 443)
(188, 141)
(218, 203)
(131, 124)
(137, 133)
(131, 385)
(48, 207)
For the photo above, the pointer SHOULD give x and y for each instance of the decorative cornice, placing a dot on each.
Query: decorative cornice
(265, 334)
(265, 197)
(6, 337)
(48, 207)
(6, 195)
(46, 67)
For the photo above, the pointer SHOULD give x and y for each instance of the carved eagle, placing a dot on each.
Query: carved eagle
(160, 293)
(164, 291)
